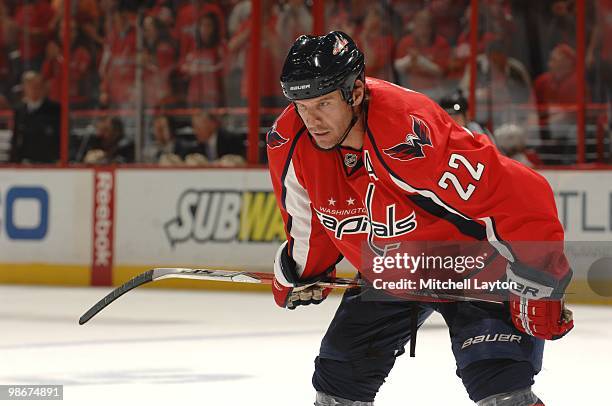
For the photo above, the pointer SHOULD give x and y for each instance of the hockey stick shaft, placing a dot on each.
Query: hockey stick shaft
(202, 274)
(242, 277)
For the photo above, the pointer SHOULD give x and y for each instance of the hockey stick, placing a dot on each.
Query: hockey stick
(203, 274)
(238, 276)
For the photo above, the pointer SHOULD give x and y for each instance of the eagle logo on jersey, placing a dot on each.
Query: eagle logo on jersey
(274, 139)
(412, 147)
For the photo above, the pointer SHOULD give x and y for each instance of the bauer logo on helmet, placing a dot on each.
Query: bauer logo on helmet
(300, 87)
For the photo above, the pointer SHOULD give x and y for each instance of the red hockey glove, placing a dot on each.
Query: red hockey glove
(289, 290)
(537, 309)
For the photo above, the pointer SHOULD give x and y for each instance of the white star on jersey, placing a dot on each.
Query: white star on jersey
(350, 201)
(331, 201)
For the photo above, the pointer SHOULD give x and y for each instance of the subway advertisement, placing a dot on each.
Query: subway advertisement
(102, 226)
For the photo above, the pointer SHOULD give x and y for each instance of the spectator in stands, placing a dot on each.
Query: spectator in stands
(211, 143)
(271, 56)
(456, 105)
(460, 53)
(497, 16)
(34, 21)
(377, 43)
(236, 57)
(446, 16)
(240, 12)
(512, 142)
(294, 14)
(407, 9)
(159, 58)
(203, 63)
(599, 53)
(347, 16)
(98, 23)
(118, 65)
(52, 70)
(556, 97)
(36, 132)
(188, 17)
(421, 57)
(163, 148)
(503, 86)
(559, 26)
(177, 92)
(82, 70)
(7, 34)
(557, 86)
(163, 11)
(88, 11)
(110, 145)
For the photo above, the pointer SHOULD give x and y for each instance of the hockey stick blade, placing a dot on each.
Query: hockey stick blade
(202, 274)
(115, 294)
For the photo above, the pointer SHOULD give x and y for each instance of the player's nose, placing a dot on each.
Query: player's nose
(312, 120)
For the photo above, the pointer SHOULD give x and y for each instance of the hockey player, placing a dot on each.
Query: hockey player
(357, 163)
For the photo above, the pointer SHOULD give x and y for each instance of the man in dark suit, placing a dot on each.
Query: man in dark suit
(36, 132)
(211, 141)
(109, 145)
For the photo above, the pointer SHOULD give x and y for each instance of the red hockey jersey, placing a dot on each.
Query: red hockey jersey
(418, 177)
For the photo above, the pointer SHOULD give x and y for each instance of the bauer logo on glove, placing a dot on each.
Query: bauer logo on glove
(537, 309)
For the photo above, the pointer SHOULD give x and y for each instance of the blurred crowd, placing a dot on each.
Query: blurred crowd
(165, 55)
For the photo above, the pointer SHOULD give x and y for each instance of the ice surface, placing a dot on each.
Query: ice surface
(170, 347)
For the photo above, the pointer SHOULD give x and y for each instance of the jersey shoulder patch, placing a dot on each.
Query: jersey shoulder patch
(418, 136)
(274, 139)
(285, 126)
(403, 121)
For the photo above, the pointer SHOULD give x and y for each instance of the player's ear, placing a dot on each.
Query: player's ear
(358, 92)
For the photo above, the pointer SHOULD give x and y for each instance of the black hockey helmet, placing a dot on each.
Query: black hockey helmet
(454, 103)
(319, 65)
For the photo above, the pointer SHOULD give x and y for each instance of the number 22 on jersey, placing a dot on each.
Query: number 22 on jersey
(475, 172)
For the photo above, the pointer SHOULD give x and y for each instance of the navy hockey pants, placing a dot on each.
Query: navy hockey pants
(365, 337)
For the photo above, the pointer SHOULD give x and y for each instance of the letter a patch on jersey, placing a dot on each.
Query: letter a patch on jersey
(412, 147)
(274, 139)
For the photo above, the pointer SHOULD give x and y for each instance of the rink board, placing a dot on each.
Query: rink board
(45, 226)
(51, 232)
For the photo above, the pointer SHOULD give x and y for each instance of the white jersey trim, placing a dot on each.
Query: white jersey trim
(297, 204)
(467, 130)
